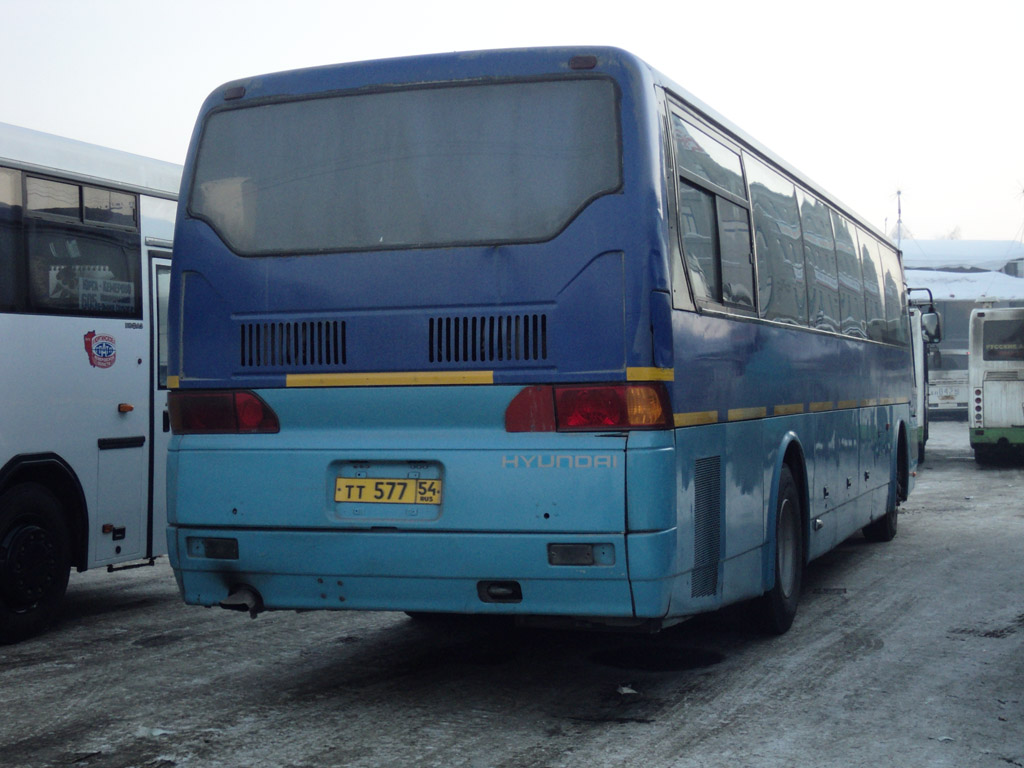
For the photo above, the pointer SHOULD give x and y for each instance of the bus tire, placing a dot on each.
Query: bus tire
(775, 610)
(884, 528)
(35, 560)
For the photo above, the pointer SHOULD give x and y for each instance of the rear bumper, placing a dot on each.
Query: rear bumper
(1012, 436)
(391, 570)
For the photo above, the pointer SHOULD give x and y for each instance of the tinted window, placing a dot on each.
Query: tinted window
(707, 158)
(698, 222)
(782, 287)
(851, 281)
(1003, 340)
(53, 198)
(163, 291)
(54, 262)
(104, 206)
(10, 237)
(874, 309)
(820, 257)
(71, 271)
(437, 166)
(894, 295)
(716, 244)
(737, 271)
(10, 188)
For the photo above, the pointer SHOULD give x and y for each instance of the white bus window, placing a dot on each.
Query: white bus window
(10, 188)
(53, 198)
(1003, 340)
(78, 273)
(163, 291)
(10, 227)
(104, 206)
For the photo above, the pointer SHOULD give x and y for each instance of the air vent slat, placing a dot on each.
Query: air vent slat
(290, 345)
(487, 339)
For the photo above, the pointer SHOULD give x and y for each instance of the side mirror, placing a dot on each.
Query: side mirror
(931, 327)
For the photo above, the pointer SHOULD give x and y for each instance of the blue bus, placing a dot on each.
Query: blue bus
(528, 332)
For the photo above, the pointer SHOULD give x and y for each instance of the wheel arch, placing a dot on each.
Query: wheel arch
(899, 471)
(791, 455)
(56, 475)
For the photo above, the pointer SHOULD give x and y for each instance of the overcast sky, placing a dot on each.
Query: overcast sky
(865, 97)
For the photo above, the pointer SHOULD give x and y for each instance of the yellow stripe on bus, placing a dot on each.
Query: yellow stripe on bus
(844, 405)
(820, 407)
(745, 414)
(788, 410)
(388, 379)
(650, 374)
(696, 418)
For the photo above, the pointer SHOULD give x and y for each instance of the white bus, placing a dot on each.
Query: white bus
(85, 254)
(996, 376)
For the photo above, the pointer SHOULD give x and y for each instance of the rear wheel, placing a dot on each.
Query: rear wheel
(884, 528)
(34, 560)
(775, 610)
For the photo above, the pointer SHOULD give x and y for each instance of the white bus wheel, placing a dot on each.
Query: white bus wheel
(34, 560)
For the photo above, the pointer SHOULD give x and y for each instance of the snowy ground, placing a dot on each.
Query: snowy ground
(903, 654)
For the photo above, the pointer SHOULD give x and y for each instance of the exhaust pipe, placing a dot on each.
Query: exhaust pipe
(243, 598)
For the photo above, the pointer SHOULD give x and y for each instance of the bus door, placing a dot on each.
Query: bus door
(118, 351)
(160, 424)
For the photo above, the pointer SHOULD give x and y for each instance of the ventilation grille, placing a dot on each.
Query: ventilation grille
(707, 526)
(299, 344)
(498, 338)
(1001, 375)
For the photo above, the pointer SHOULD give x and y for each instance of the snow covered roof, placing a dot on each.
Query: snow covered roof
(961, 254)
(965, 286)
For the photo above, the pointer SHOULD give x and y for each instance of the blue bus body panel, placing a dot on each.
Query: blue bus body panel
(506, 497)
(596, 273)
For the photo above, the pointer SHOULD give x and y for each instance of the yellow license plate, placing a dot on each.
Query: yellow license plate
(387, 490)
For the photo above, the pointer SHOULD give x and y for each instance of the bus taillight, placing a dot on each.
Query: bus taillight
(589, 407)
(231, 412)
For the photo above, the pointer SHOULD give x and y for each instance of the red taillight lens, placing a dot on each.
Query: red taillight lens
(196, 413)
(592, 407)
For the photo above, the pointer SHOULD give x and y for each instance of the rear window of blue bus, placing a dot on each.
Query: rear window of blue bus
(405, 168)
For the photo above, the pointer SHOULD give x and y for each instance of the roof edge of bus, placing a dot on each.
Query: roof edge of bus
(28, 149)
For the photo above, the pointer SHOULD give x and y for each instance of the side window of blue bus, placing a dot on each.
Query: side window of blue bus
(851, 279)
(820, 257)
(895, 298)
(873, 292)
(714, 218)
(781, 286)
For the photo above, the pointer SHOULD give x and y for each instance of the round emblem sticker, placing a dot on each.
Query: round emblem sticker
(101, 348)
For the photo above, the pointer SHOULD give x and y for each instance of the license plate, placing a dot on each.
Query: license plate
(387, 490)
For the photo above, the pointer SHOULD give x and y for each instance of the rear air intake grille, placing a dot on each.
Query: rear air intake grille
(1001, 375)
(299, 344)
(498, 338)
(707, 526)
